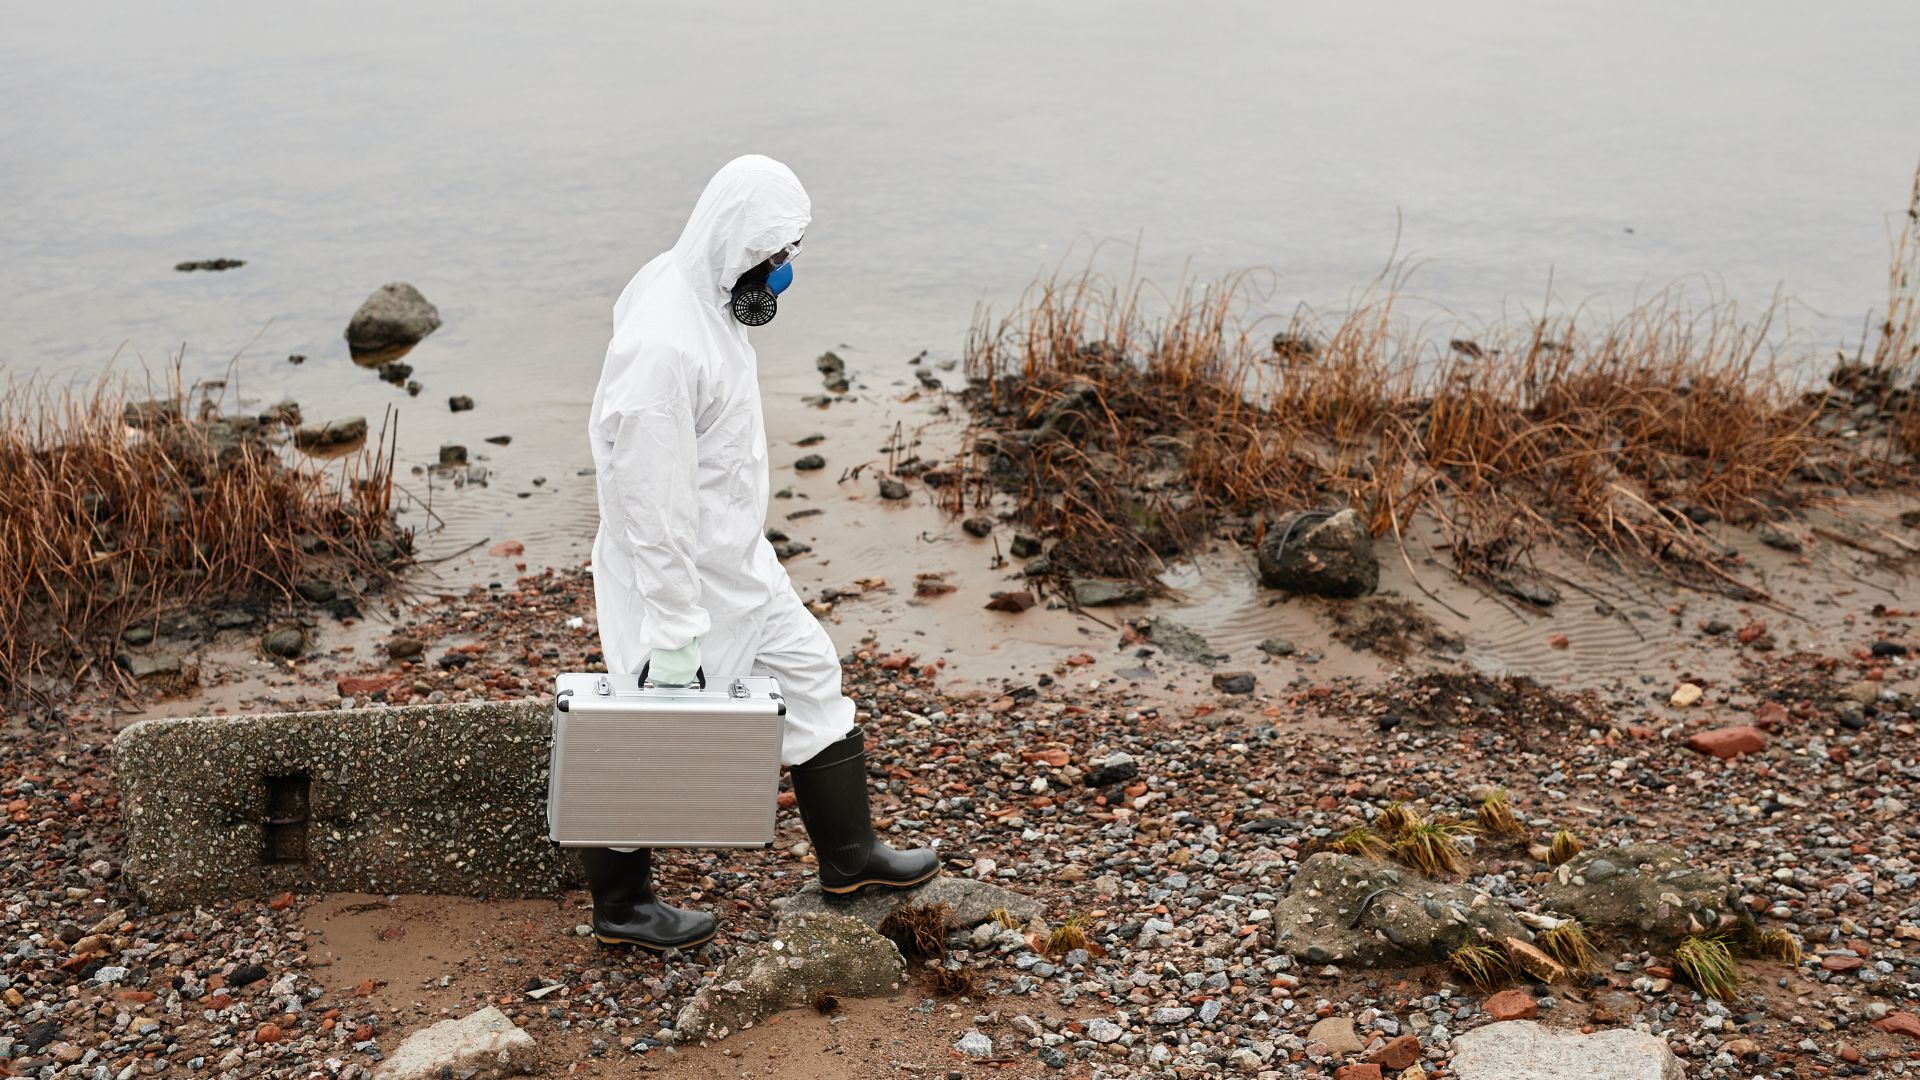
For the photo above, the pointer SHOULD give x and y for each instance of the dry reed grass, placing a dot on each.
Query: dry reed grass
(1896, 355)
(104, 525)
(1128, 427)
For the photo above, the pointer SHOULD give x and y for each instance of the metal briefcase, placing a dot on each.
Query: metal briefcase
(636, 765)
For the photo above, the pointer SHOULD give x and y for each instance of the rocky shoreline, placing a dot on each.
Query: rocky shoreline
(1163, 855)
(1185, 830)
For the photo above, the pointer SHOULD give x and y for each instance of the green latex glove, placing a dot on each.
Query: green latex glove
(675, 667)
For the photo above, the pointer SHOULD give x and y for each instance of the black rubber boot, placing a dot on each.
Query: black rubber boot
(625, 911)
(832, 792)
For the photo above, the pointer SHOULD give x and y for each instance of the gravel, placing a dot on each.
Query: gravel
(1172, 858)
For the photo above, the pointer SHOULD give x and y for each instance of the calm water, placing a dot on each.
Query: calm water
(518, 164)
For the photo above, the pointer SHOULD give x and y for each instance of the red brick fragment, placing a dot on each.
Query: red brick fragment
(1729, 742)
(1512, 1005)
(1397, 1055)
(1900, 1023)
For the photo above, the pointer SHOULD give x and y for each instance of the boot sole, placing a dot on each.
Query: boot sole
(652, 947)
(845, 890)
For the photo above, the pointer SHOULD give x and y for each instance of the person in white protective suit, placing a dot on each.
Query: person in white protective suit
(686, 584)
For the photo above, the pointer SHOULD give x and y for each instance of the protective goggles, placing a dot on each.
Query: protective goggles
(784, 256)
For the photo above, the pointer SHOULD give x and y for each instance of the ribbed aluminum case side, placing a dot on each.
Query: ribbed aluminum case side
(664, 768)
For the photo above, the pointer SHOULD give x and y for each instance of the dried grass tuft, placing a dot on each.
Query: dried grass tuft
(114, 514)
(1363, 842)
(1563, 847)
(1068, 936)
(920, 930)
(1706, 962)
(1570, 944)
(1482, 966)
(954, 982)
(1129, 426)
(1432, 846)
(1496, 815)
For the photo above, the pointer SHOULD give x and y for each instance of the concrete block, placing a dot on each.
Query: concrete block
(426, 799)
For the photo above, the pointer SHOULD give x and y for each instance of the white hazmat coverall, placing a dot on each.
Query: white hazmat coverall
(680, 452)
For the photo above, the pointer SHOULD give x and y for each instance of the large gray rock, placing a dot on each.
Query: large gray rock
(1646, 887)
(1325, 557)
(144, 665)
(480, 1046)
(1178, 640)
(331, 434)
(421, 799)
(1105, 592)
(394, 317)
(148, 415)
(1406, 918)
(1523, 1050)
(821, 953)
(973, 902)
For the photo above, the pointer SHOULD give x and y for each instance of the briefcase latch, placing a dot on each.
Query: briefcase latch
(738, 689)
(603, 687)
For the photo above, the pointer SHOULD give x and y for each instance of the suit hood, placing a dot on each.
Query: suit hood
(753, 207)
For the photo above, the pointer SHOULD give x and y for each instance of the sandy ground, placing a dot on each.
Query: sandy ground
(422, 959)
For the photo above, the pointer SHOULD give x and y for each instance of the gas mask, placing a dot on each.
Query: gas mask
(754, 295)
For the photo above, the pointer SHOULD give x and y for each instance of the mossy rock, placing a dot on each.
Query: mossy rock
(1343, 909)
(1651, 888)
(814, 955)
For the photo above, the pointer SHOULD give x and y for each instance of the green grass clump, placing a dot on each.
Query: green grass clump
(1363, 842)
(1482, 966)
(1496, 815)
(1563, 847)
(1570, 944)
(1706, 963)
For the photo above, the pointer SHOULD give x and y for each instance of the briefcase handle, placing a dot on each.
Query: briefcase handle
(699, 675)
